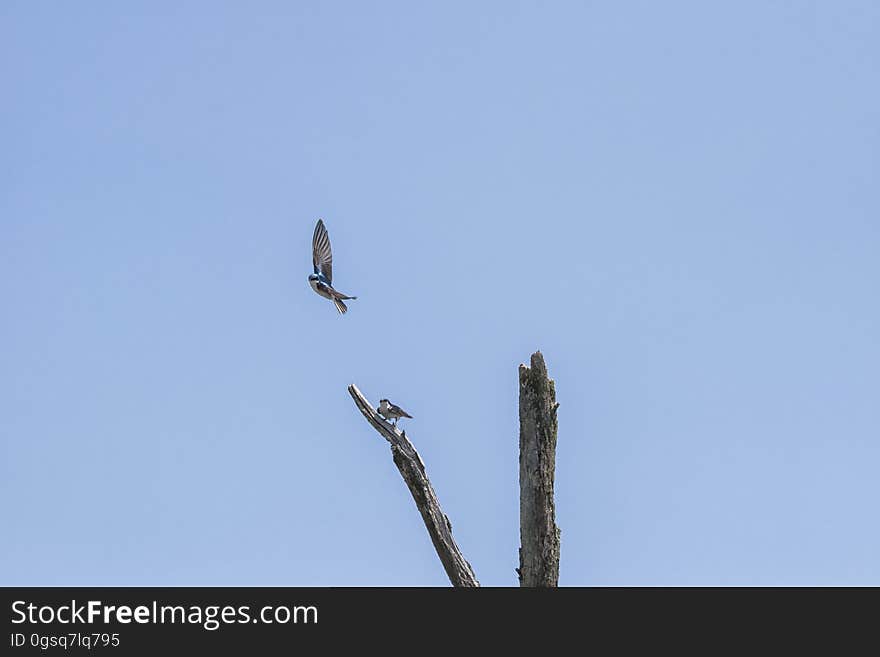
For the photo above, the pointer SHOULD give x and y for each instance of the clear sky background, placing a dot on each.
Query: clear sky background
(677, 202)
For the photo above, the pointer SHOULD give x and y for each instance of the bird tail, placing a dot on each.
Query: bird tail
(338, 298)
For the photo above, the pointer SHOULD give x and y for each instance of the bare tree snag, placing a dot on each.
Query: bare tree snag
(408, 461)
(539, 535)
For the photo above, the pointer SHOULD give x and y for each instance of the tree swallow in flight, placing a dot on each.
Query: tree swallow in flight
(391, 411)
(322, 261)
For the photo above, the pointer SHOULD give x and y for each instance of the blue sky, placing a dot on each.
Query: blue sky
(676, 202)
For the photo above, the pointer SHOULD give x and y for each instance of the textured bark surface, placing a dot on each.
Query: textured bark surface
(539, 535)
(408, 461)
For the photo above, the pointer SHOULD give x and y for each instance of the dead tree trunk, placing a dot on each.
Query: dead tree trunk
(539, 535)
(408, 461)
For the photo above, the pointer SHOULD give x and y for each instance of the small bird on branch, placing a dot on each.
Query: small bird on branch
(322, 262)
(391, 411)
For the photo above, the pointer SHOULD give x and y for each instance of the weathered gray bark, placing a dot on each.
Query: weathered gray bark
(408, 461)
(539, 535)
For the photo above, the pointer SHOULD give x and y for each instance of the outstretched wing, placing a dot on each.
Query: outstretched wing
(322, 258)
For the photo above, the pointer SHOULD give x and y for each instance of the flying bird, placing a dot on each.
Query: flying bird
(322, 261)
(391, 411)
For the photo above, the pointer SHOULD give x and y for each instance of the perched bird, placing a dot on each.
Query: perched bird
(391, 411)
(322, 261)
